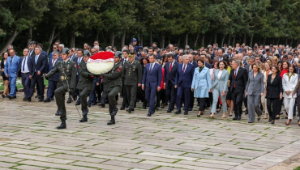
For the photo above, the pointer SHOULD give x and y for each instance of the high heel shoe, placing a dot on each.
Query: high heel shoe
(277, 117)
(258, 119)
(265, 116)
(272, 122)
(211, 116)
(230, 114)
(224, 116)
(288, 122)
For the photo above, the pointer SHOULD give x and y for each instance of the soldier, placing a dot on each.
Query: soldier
(85, 85)
(132, 80)
(112, 82)
(67, 77)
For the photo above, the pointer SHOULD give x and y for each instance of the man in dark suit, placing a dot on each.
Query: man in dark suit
(171, 69)
(238, 80)
(38, 69)
(151, 82)
(52, 81)
(183, 84)
(31, 47)
(25, 67)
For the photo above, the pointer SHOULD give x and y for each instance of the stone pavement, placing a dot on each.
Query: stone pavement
(29, 140)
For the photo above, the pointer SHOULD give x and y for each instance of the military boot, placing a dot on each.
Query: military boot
(63, 125)
(112, 121)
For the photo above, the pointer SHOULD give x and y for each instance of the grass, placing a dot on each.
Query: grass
(19, 84)
(298, 168)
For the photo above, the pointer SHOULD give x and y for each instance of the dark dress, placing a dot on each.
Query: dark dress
(2, 73)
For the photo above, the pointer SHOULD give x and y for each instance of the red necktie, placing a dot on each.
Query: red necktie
(234, 77)
(170, 67)
(183, 70)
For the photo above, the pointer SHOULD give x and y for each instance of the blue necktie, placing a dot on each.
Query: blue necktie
(36, 58)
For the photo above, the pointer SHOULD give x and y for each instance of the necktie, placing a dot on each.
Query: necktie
(24, 62)
(234, 77)
(11, 61)
(150, 67)
(183, 70)
(53, 62)
(36, 58)
(170, 67)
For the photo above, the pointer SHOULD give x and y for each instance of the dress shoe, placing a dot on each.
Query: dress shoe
(190, 109)
(122, 108)
(3, 96)
(149, 114)
(169, 111)
(185, 113)
(102, 105)
(63, 125)
(11, 97)
(272, 122)
(112, 121)
(37, 96)
(178, 112)
(47, 100)
(239, 118)
(77, 102)
(128, 110)
(84, 119)
(41, 99)
(250, 122)
(69, 100)
(235, 118)
(89, 104)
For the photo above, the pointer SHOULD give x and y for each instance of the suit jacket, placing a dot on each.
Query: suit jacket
(11, 66)
(201, 83)
(185, 79)
(247, 67)
(274, 88)
(41, 64)
(220, 83)
(209, 66)
(50, 67)
(289, 84)
(29, 65)
(255, 85)
(152, 78)
(170, 75)
(240, 81)
(194, 63)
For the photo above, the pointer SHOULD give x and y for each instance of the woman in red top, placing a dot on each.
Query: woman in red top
(285, 68)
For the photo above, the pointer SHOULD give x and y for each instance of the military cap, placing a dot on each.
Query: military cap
(86, 53)
(65, 51)
(118, 54)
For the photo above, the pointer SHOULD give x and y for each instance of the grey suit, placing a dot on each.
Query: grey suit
(219, 85)
(254, 88)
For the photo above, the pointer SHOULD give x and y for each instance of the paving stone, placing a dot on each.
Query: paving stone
(163, 141)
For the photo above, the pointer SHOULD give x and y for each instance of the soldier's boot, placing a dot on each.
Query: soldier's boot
(84, 114)
(112, 121)
(63, 125)
(114, 112)
(58, 112)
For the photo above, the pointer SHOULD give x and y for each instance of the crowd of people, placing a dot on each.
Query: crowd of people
(263, 78)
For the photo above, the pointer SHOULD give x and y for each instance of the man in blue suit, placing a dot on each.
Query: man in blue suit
(52, 81)
(11, 71)
(183, 84)
(171, 69)
(25, 68)
(151, 82)
(39, 67)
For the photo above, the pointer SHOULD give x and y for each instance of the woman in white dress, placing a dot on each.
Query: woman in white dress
(289, 82)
